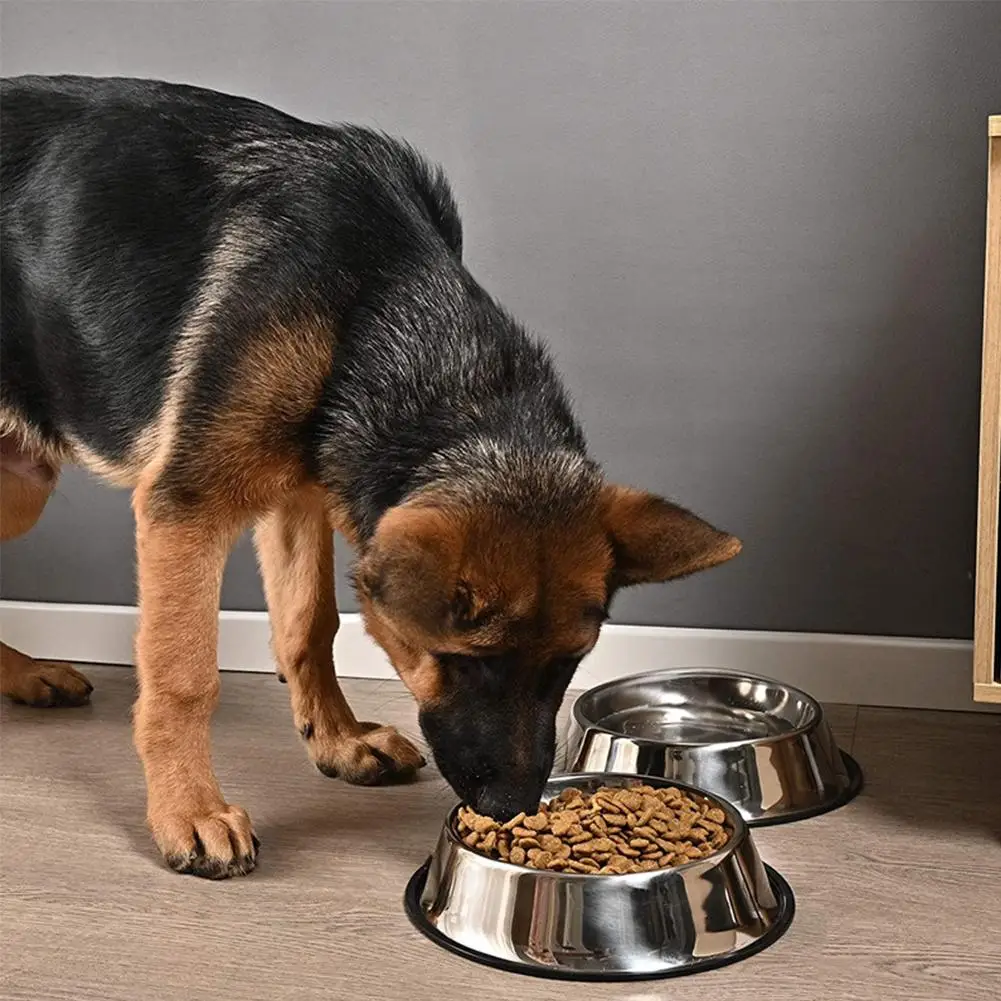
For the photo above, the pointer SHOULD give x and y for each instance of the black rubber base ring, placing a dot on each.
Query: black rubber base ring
(781, 889)
(856, 781)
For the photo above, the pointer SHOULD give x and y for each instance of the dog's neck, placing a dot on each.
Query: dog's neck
(436, 389)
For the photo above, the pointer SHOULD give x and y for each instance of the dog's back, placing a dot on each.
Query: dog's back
(135, 210)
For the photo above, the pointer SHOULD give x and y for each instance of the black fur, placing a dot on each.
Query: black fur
(432, 368)
(116, 192)
(107, 215)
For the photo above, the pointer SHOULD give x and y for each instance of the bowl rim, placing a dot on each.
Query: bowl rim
(818, 720)
(740, 829)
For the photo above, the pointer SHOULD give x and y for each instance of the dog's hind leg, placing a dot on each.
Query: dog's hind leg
(295, 549)
(25, 485)
(40, 683)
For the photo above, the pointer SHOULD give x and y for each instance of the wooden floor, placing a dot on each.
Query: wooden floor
(899, 894)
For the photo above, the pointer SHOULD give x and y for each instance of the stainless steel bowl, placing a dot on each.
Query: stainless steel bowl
(761, 745)
(702, 915)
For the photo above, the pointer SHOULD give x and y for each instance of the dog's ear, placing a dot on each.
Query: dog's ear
(655, 540)
(410, 570)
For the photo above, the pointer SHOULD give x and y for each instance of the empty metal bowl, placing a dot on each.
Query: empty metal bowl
(761, 745)
(707, 913)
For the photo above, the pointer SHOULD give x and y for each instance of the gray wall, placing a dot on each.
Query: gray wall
(753, 234)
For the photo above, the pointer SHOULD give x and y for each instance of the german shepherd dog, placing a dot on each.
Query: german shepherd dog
(250, 320)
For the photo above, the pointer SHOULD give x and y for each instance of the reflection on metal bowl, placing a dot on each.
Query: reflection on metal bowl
(701, 915)
(763, 746)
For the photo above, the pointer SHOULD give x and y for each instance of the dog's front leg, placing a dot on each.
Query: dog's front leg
(181, 559)
(295, 549)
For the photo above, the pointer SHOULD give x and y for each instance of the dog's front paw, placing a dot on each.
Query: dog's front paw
(44, 685)
(376, 755)
(214, 843)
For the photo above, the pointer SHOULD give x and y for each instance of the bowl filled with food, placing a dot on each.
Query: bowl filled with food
(614, 878)
(760, 744)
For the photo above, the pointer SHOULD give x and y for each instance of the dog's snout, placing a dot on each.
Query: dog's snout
(497, 758)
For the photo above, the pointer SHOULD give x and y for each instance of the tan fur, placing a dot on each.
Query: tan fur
(296, 555)
(22, 500)
(248, 466)
(180, 567)
(411, 660)
(520, 587)
(252, 443)
(441, 578)
(41, 683)
(339, 518)
(656, 540)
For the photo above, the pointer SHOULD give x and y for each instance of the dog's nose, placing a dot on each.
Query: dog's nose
(503, 804)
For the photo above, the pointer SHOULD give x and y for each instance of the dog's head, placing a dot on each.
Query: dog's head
(486, 613)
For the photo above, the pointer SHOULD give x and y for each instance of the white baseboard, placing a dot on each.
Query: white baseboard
(863, 670)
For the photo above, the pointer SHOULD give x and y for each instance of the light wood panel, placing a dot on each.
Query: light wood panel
(894, 892)
(986, 680)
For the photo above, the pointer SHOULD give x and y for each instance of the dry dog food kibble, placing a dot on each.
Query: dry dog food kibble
(613, 831)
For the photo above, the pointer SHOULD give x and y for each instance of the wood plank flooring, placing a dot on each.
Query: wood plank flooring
(899, 894)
